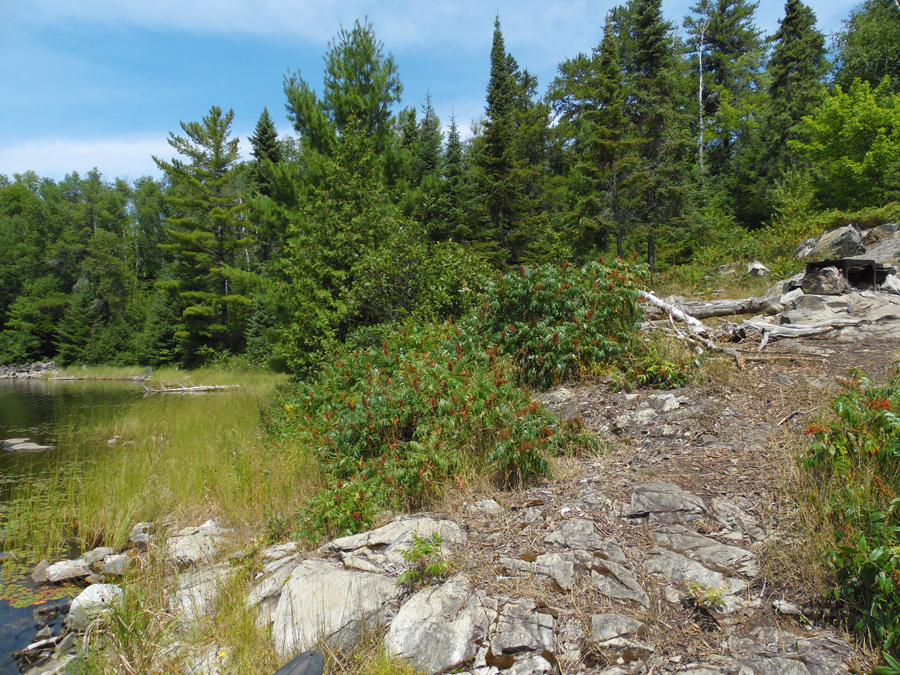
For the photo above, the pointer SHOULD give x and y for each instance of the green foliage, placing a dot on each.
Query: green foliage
(860, 447)
(868, 45)
(555, 321)
(426, 560)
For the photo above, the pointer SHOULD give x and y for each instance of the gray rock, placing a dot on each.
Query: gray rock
(891, 285)
(436, 630)
(560, 567)
(67, 569)
(589, 499)
(617, 582)
(382, 548)
(608, 626)
(826, 281)
(97, 554)
(116, 564)
(26, 446)
(265, 594)
(757, 269)
(733, 516)
(485, 507)
(321, 601)
(789, 299)
(39, 575)
(91, 603)
(676, 567)
(636, 418)
(665, 503)
(841, 242)
(769, 651)
(578, 533)
(194, 545)
(522, 627)
(786, 285)
(532, 665)
(279, 551)
(196, 591)
(706, 550)
(877, 234)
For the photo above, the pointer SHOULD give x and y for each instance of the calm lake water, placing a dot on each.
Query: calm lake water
(39, 409)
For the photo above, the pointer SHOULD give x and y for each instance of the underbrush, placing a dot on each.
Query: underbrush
(392, 425)
(856, 458)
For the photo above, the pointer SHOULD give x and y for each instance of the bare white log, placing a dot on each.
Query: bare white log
(181, 389)
(793, 331)
(696, 326)
(713, 308)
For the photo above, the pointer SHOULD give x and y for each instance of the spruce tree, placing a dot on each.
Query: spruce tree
(264, 147)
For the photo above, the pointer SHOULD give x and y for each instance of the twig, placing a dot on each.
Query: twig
(795, 413)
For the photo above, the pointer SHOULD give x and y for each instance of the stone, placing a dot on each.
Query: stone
(39, 574)
(560, 567)
(841, 242)
(891, 285)
(757, 269)
(789, 299)
(485, 507)
(116, 564)
(90, 603)
(733, 516)
(590, 499)
(578, 533)
(785, 285)
(667, 402)
(617, 582)
(67, 569)
(826, 281)
(437, 629)
(706, 550)
(531, 665)
(770, 651)
(383, 547)
(876, 234)
(522, 627)
(637, 418)
(665, 503)
(676, 567)
(196, 591)
(279, 551)
(321, 601)
(194, 545)
(97, 554)
(27, 446)
(265, 594)
(608, 626)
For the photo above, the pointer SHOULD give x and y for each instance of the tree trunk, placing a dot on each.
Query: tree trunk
(651, 252)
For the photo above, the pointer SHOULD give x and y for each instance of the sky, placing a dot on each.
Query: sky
(102, 83)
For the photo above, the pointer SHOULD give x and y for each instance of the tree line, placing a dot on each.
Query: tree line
(653, 144)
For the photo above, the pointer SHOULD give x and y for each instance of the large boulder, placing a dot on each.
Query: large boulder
(826, 281)
(91, 602)
(841, 242)
(323, 602)
(437, 628)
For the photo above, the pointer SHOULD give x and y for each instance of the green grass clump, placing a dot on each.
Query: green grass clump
(858, 452)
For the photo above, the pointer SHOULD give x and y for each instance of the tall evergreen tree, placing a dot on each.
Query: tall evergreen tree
(265, 148)
(206, 235)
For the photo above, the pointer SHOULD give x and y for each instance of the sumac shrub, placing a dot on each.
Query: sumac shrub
(860, 450)
(554, 320)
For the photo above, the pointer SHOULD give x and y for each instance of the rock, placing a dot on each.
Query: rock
(522, 627)
(194, 545)
(116, 565)
(637, 418)
(578, 533)
(561, 567)
(706, 550)
(532, 665)
(90, 603)
(383, 548)
(786, 285)
(266, 593)
(805, 246)
(826, 281)
(789, 299)
(676, 567)
(97, 554)
(485, 507)
(667, 402)
(437, 629)
(770, 651)
(307, 663)
(733, 516)
(321, 601)
(607, 626)
(757, 269)
(590, 499)
(27, 446)
(617, 582)
(39, 575)
(197, 591)
(665, 503)
(841, 242)
(891, 285)
(876, 234)
(279, 551)
(67, 569)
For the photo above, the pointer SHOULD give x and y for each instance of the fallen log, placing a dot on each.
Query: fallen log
(181, 389)
(696, 326)
(714, 308)
(801, 330)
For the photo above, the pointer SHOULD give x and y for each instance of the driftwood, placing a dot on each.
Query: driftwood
(696, 327)
(713, 308)
(181, 389)
(790, 331)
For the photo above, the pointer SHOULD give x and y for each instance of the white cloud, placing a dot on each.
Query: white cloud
(127, 157)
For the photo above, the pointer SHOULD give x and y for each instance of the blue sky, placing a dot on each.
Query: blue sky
(101, 83)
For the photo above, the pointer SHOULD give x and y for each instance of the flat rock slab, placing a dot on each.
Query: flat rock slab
(265, 594)
(382, 549)
(706, 550)
(322, 601)
(25, 445)
(664, 503)
(194, 545)
(676, 567)
(522, 627)
(769, 651)
(579, 533)
(437, 628)
(196, 592)
(608, 626)
(91, 602)
(65, 570)
(617, 582)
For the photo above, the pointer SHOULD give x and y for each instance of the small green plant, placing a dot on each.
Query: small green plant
(426, 559)
(892, 666)
(710, 598)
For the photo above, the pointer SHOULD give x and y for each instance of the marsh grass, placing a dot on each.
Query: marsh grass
(184, 458)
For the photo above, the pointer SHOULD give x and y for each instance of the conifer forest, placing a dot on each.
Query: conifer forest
(665, 144)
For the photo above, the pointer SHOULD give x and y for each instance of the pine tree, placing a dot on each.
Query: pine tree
(428, 148)
(206, 235)
(264, 148)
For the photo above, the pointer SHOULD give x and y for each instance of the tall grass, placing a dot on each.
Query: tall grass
(184, 458)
